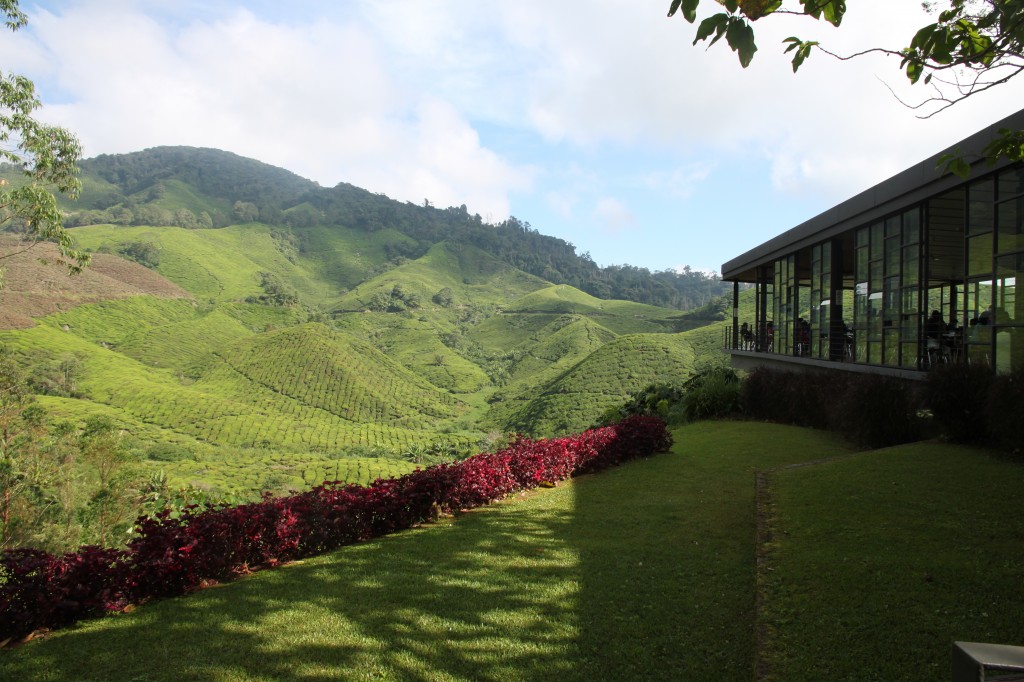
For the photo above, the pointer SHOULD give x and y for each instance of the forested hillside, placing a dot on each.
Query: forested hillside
(202, 188)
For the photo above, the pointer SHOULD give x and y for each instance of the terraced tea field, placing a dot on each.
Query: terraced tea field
(285, 396)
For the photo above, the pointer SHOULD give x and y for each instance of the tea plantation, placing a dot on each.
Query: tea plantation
(289, 358)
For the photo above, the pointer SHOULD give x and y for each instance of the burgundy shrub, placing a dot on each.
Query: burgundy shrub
(39, 590)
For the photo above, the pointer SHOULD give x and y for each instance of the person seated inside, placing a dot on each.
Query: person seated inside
(746, 337)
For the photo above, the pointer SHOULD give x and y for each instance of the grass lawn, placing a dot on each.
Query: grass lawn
(645, 572)
(883, 560)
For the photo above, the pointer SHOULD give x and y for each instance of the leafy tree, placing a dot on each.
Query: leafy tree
(105, 449)
(246, 212)
(186, 219)
(62, 450)
(972, 46)
(143, 253)
(444, 298)
(149, 214)
(379, 302)
(275, 291)
(45, 154)
(20, 426)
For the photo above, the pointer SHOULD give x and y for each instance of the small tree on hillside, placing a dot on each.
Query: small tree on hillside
(105, 449)
(444, 298)
(23, 471)
(46, 156)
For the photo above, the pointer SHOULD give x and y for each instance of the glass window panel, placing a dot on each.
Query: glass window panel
(1009, 308)
(912, 226)
(860, 348)
(862, 264)
(979, 255)
(1011, 225)
(891, 301)
(1011, 182)
(892, 226)
(911, 264)
(862, 237)
(892, 348)
(877, 240)
(875, 316)
(860, 305)
(909, 355)
(1009, 349)
(979, 206)
(892, 256)
(978, 299)
(875, 352)
(910, 314)
(875, 277)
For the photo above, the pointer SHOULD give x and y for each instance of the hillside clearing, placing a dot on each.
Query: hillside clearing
(36, 285)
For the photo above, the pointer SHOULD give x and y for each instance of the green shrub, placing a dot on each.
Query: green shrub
(877, 411)
(800, 398)
(958, 396)
(1005, 407)
(168, 452)
(868, 409)
(143, 253)
(714, 393)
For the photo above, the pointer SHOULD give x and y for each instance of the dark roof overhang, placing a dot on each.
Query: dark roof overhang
(903, 190)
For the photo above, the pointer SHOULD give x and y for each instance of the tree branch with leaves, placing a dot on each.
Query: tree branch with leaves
(46, 155)
(971, 47)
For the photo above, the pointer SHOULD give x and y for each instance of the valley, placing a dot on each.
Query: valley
(269, 357)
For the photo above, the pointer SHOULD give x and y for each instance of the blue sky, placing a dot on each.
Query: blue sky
(595, 121)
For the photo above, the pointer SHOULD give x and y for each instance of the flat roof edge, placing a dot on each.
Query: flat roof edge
(906, 187)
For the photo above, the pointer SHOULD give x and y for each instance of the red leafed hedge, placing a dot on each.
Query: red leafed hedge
(174, 555)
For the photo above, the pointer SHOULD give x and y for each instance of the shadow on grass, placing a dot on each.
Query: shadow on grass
(490, 596)
(640, 573)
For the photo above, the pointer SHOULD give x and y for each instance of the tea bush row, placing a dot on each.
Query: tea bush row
(172, 555)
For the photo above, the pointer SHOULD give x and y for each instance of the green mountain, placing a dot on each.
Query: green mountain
(272, 355)
(202, 188)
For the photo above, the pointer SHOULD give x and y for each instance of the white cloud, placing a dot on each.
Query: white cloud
(681, 182)
(559, 103)
(562, 203)
(613, 216)
(317, 99)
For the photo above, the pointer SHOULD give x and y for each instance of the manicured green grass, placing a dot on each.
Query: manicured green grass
(645, 572)
(883, 560)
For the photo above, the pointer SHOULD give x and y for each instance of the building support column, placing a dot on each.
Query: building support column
(836, 326)
(735, 315)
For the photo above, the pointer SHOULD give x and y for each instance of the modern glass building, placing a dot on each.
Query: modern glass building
(917, 270)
